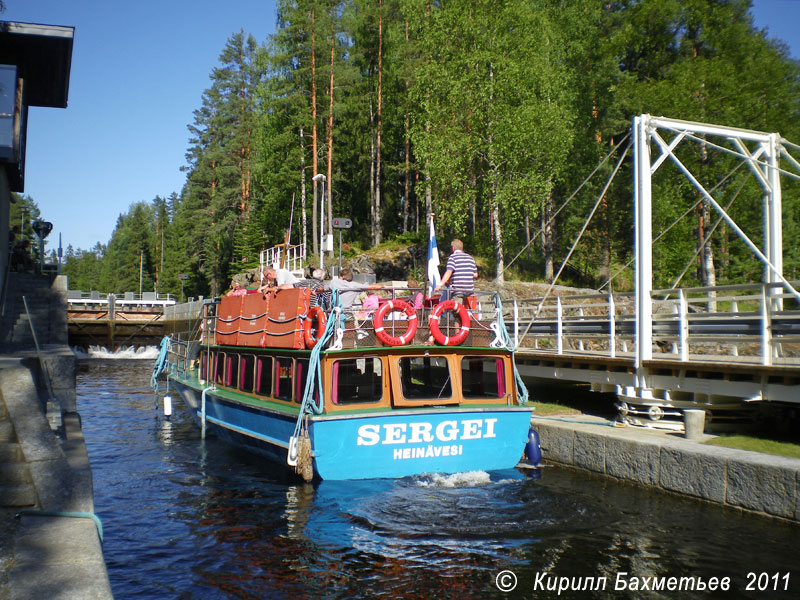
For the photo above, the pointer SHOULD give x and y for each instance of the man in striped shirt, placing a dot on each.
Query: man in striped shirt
(461, 273)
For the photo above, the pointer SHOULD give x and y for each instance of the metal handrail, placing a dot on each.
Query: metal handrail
(682, 323)
(119, 297)
(292, 257)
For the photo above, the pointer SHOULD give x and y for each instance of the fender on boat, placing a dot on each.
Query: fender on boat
(533, 450)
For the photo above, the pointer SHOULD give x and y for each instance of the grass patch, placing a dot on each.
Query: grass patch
(551, 408)
(754, 444)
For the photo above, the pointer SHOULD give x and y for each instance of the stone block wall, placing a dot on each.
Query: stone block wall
(751, 481)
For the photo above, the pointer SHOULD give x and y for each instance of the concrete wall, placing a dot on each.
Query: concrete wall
(5, 204)
(55, 554)
(751, 481)
(60, 365)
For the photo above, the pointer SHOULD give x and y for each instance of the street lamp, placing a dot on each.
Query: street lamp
(321, 177)
(42, 229)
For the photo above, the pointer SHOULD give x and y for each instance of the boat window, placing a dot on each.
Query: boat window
(219, 361)
(283, 378)
(231, 369)
(425, 377)
(246, 365)
(301, 376)
(357, 380)
(203, 365)
(264, 375)
(483, 377)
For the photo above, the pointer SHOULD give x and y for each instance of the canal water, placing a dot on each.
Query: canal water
(192, 519)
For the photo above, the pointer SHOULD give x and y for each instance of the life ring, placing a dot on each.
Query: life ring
(315, 312)
(463, 316)
(392, 306)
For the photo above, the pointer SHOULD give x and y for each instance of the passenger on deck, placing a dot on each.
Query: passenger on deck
(316, 284)
(348, 289)
(236, 289)
(461, 273)
(417, 298)
(276, 278)
(368, 306)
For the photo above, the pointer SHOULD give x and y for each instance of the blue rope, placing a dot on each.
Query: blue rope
(309, 405)
(509, 345)
(161, 363)
(28, 512)
(604, 423)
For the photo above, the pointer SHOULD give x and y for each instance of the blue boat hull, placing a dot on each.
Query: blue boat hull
(374, 445)
(425, 441)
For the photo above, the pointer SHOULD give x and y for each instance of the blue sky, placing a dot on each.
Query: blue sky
(139, 69)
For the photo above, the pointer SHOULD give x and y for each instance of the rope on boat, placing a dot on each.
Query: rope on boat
(161, 362)
(508, 344)
(305, 464)
(299, 444)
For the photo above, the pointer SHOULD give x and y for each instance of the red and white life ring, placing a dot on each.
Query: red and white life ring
(392, 306)
(315, 312)
(463, 316)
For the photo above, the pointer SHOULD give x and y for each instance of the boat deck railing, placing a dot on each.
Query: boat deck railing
(746, 323)
(359, 323)
(283, 256)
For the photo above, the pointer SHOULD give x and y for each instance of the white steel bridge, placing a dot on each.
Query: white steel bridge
(723, 349)
(745, 350)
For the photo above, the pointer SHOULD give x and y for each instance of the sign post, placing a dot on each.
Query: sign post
(183, 277)
(341, 223)
(320, 177)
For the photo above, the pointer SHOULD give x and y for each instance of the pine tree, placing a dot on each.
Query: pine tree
(219, 189)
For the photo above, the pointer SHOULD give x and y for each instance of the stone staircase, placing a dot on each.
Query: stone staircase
(16, 484)
(46, 309)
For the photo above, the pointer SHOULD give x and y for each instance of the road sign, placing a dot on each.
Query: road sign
(342, 223)
(183, 276)
(42, 228)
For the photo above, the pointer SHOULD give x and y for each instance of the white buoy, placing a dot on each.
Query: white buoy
(167, 406)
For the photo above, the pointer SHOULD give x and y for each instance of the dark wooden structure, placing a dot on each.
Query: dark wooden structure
(116, 323)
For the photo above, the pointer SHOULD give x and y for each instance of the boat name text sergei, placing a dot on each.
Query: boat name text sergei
(423, 432)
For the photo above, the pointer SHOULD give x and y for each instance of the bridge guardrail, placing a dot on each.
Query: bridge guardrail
(755, 322)
(75, 297)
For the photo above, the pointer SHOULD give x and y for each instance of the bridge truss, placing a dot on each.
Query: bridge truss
(670, 349)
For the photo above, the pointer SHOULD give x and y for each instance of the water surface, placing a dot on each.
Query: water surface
(192, 519)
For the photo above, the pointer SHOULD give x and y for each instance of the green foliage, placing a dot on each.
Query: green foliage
(757, 444)
(499, 119)
(23, 211)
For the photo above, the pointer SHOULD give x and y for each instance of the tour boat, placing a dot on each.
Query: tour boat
(353, 394)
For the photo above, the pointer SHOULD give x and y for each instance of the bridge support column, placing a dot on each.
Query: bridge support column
(644, 250)
(774, 221)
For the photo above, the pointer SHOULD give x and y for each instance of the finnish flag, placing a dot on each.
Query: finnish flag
(434, 279)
